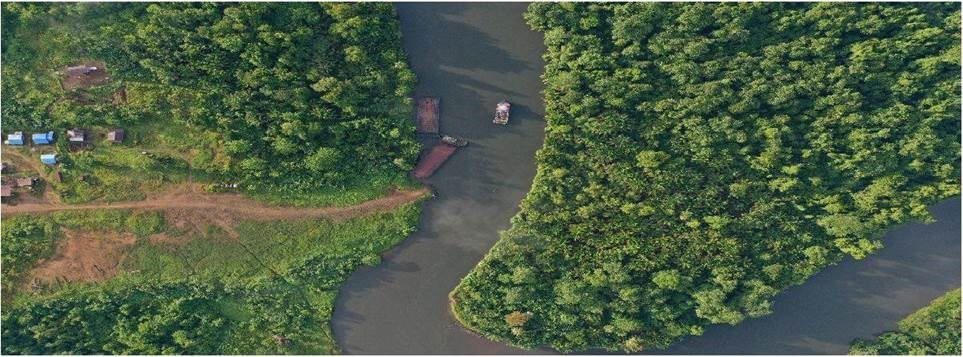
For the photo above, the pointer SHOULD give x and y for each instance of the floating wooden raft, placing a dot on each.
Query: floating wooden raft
(427, 121)
(433, 160)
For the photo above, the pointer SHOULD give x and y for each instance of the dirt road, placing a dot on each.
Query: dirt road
(234, 204)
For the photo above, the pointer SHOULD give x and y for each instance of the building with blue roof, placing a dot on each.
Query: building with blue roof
(42, 138)
(49, 159)
(16, 138)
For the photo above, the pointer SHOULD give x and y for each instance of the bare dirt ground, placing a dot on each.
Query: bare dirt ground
(89, 80)
(97, 256)
(22, 163)
(83, 256)
(225, 207)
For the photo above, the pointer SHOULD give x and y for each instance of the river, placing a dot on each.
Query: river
(473, 55)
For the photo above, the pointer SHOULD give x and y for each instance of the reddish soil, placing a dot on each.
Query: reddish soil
(163, 239)
(83, 256)
(96, 256)
(223, 208)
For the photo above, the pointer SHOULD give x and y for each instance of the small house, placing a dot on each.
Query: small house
(81, 70)
(76, 135)
(43, 138)
(116, 136)
(49, 159)
(26, 181)
(6, 191)
(16, 138)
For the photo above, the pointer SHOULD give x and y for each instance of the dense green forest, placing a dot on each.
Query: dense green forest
(283, 98)
(701, 158)
(269, 290)
(933, 330)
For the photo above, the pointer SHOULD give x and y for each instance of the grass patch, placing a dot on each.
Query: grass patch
(26, 239)
(932, 330)
(351, 192)
(223, 291)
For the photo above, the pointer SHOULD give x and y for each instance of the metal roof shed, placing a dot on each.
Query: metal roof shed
(49, 159)
(43, 138)
(15, 139)
(81, 70)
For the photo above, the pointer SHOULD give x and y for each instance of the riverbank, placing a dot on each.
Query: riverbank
(471, 56)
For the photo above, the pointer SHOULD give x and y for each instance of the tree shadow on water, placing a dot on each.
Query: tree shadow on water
(446, 38)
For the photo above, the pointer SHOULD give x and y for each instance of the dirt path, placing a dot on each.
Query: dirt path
(22, 162)
(236, 205)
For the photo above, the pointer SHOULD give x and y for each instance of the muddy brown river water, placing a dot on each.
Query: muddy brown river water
(473, 55)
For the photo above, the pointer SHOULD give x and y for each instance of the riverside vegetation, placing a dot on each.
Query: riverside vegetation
(303, 104)
(269, 289)
(933, 330)
(701, 158)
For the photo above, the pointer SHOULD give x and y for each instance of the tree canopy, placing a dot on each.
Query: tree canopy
(298, 95)
(700, 158)
(933, 330)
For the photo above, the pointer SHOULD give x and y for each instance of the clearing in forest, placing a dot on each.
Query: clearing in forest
(84, 75)
(82, 256)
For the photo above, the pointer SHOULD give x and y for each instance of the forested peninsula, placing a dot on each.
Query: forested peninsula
(701, 158)
(933, 330)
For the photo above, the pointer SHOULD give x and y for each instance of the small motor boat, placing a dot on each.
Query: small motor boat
(502, 111)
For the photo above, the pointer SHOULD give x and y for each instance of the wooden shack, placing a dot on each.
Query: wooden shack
(26, 182)
(116, 136)
(77, 136)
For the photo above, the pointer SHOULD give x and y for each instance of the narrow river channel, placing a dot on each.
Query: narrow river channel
(473, 55)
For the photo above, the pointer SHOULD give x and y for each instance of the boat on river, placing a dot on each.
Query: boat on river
(438, 154)
(427, 117)
(502, 111)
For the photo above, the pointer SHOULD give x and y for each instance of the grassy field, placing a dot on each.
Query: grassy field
(353, 192)
(240, 273)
